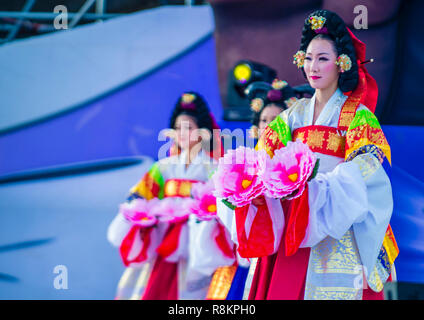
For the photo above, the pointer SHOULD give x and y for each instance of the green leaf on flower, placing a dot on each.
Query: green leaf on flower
(229, 204)
(315, 171)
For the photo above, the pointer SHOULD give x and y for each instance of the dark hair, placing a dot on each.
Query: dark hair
(256, 117)
(328, 37)
(198, 110)
(262, 90)
(337, 33)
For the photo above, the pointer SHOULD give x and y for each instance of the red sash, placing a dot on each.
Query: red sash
(322, 139)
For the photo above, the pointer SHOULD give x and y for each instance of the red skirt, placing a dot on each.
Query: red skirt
(163, 281)
(281, 277)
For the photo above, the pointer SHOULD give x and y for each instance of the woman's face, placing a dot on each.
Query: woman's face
(269, 113)
(186, 132)
(320, 64)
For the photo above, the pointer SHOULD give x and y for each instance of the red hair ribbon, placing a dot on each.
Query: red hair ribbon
(366, 90)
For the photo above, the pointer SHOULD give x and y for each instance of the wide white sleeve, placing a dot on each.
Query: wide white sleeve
(118, 229)
(228, 218)
(204, 254)
(337, 199)
(355, 194)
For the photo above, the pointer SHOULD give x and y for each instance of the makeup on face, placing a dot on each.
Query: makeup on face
(320, 64)
(185, 127)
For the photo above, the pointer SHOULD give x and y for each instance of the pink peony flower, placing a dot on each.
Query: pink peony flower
(204, 205)
(236, 178)
(138, 211)
(288, 171)
(171, 209)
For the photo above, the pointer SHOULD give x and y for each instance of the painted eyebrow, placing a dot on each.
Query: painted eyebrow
(318, 53)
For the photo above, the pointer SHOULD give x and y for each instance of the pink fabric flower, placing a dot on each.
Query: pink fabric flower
(171, 209)
(288, 171)
(204, 205)
(138, 211)
(236, 178)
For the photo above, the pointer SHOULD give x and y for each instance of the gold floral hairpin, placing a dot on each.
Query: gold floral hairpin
(254, 132)
(256, 104)
(188, 98)
(299, 58)
(278, 84)
(344, 62)
(317, 22)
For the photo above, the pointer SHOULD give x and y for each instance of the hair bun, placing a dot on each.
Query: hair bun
(337, 30)
(194, 105)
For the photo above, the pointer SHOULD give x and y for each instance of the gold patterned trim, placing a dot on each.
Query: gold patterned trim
(334, 293)
(177, 188)
(322, 139)
(221, 283)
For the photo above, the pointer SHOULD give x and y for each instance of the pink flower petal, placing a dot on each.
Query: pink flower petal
(288, 170)
(236, 178)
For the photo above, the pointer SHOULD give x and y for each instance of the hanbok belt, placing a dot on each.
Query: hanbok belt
(322, 139)
(178, 188)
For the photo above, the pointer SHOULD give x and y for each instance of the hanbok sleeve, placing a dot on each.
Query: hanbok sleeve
(226, 216)
(137, 244)
(357, 194)
(118, 229)
(210, 246)
(150, 186)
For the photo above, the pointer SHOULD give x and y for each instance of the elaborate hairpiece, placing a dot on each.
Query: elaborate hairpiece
(261, 94)
(299, 58)
(194, 105)
(274, 95)
(256, 104)
(187, 101)
(254, 132)
(334, 28)
(279, 84)
(354, 77)
(317, 23)
(344, 62)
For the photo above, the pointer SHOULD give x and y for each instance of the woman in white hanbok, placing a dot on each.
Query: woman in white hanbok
(175, 260)
(334, 241)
